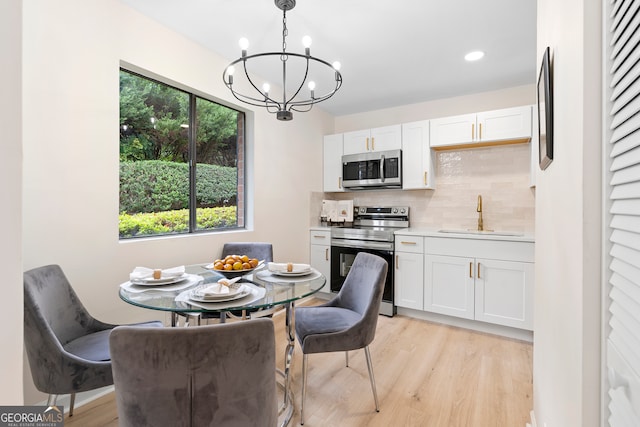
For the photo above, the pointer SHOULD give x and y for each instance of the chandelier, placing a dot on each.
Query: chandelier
(297, 100)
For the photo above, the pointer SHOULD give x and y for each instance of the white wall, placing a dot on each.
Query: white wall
(72, 53)
(484, 101)
(10, 194)
(567, 312)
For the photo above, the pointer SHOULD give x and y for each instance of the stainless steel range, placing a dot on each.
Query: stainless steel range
(372, 232)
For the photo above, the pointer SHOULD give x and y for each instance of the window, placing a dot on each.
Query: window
(181, 161)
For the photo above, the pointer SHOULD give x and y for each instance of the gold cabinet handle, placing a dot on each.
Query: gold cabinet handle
(339, 182)
(396, 262)
(473, 130)
(480, 131)
(326, 254)
(367, 144)
(471, 270)
(402, 242)
(478, 270)
(425, 177)
(319, 236)
(373, 144)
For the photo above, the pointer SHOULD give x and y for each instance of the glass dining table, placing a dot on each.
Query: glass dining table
(264, 291)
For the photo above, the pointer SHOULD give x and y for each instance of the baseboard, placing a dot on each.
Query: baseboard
(533, 420)
(81, 398)
(505, 331)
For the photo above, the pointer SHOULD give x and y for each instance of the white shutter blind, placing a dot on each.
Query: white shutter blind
(623, 341)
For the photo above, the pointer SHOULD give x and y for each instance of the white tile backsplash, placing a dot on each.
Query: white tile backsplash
(500, 174)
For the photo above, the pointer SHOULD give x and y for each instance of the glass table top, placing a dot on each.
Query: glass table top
(268, 290)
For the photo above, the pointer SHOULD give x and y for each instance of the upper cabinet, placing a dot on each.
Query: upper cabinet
(417, 162)
(486, 128)
(332, 163)
(377, 139)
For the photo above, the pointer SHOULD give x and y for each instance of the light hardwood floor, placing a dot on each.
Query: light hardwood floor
(426, 375)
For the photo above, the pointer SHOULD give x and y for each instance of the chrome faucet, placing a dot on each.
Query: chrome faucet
(479, 210)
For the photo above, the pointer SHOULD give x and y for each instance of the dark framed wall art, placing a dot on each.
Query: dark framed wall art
(545, 111)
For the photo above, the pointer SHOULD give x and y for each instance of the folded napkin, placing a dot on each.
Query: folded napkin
(215, 289)
(279, 267)
(141, 273)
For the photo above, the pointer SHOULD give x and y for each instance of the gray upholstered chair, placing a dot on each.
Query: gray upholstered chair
(68, 349)
(259, 250)
(213, 375)
(348, 321)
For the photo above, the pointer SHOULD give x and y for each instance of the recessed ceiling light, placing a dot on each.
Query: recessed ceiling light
(474, 56)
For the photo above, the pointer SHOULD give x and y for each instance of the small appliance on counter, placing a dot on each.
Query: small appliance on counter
(336, 211)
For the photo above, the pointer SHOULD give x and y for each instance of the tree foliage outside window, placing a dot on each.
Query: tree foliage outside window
(179, 161)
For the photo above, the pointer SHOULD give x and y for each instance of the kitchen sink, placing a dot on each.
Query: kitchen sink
(482, 232)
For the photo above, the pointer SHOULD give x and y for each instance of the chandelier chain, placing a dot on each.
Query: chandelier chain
(285, 33)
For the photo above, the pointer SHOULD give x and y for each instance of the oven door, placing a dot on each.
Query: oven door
(342, 258)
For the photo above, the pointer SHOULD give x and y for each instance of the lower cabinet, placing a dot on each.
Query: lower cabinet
(409, 274)
(497, 288)
(449, 286)
(320, 255)
(504, 292)
(489, 290)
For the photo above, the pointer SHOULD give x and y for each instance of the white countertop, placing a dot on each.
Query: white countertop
(514, 236)
(320, 228)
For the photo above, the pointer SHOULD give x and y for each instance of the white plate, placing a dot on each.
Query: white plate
(280, 269)
(161, 281)
(233, 290)
(292, 273)
(244, 291)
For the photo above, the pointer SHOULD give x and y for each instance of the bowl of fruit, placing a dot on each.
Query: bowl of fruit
(235, 265)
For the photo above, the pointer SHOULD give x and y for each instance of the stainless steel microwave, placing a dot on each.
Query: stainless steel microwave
(373, 169)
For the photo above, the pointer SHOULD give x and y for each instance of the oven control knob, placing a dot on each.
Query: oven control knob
(362, 210)
(402, 211)
(395, 210)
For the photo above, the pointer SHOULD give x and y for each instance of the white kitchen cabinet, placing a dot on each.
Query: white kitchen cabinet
(377, 139)
(452, 130)
(418, 171)
(504, 292)
(486, 280)
(332, 163)
(409, 271)
(449, 286)
(320, 255)
(485, 128)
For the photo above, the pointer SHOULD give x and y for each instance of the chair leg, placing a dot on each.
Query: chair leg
(304, 387)
(346, 358)
(72, 402)
(51, 400)
(373, 381)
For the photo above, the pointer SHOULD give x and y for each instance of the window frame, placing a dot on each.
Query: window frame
(242, 164)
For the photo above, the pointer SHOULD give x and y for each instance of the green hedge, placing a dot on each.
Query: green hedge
(156, 186)
(176, 221)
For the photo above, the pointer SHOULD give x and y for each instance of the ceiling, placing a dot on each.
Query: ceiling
(392, 52)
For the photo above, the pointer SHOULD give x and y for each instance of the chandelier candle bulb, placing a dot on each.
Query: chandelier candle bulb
(306, 42)
(244, 45)
(230, 70)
